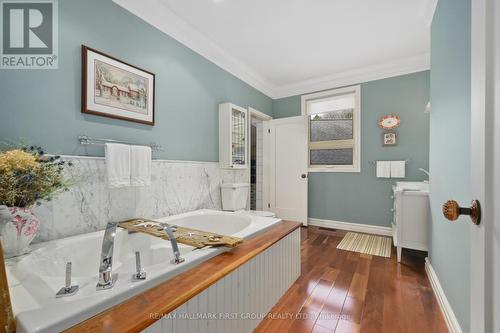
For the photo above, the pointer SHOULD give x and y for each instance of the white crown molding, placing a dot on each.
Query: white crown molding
(359, 75)
(156, 13)
(449, 315)
(364, 228)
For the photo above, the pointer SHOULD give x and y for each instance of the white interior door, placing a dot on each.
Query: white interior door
(288, 168)
(485, 161)
(493, 151)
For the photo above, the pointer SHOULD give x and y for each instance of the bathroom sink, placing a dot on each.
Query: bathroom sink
(412, 186)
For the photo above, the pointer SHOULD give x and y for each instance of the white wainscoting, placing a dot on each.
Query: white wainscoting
(364, 228)
(449, 315)
(253, 288)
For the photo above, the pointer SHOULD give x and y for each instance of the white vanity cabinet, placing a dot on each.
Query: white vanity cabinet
(233, 135)
(411, 215)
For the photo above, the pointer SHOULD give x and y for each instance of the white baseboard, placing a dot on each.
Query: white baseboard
(449, 315)
(364, 228)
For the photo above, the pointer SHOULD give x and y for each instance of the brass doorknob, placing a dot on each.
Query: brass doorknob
(452, 210)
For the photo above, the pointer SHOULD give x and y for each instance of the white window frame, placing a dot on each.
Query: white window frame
(356, 166)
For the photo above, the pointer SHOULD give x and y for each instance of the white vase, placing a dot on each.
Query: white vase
(18, 227)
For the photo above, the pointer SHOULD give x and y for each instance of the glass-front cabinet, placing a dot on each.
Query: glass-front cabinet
(233, 129)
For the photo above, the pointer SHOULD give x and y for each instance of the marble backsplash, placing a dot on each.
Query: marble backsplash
(177, 187)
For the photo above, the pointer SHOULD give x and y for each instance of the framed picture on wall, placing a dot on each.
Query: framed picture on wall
(115, 89)
(390, 138)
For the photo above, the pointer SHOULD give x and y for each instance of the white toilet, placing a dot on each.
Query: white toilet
(234, 199)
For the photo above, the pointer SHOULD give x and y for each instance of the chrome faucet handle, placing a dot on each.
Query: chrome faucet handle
(163, 225)
(140, 274)
(68, 289)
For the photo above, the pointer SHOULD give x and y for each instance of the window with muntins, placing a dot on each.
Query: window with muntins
(333, 120)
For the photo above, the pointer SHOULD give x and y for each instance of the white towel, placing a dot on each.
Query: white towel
(383, 169)
(117, 164)
(398, 169)
(140, 166)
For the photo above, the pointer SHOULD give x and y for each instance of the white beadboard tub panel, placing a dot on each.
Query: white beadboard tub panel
(253, 288)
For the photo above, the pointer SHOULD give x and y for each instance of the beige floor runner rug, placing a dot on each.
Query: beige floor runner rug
(368, 244)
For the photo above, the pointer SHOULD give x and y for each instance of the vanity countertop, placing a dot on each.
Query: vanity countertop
(412, 186)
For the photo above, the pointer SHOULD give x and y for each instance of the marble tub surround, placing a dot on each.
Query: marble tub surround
(176, 187)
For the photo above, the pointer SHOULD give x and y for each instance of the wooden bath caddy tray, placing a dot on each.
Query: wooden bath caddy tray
(188, 236)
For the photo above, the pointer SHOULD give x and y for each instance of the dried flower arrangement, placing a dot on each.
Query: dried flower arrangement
(28, 176)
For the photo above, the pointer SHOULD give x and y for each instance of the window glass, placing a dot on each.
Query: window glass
(238, 137)
(333, 129)
(331, 156)
(333, 125)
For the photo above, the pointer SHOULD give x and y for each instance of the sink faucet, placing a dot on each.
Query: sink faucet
(425, 171)
(106, 277)
(175, 247)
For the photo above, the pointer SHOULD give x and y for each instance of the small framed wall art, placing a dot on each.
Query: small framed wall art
(112, 88)
(389, 122)
(390, 138)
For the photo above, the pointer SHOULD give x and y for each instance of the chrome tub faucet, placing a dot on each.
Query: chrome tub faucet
(106, 277)
(175, 247)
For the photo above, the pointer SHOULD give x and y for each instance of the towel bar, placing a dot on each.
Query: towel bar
(87, 140)
(407, 161)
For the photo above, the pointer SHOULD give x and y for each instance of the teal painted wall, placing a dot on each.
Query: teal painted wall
(449, 150)
(361, 197)
(286, 107)
(43, 106)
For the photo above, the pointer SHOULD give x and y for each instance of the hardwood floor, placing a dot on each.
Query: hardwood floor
(341, 291)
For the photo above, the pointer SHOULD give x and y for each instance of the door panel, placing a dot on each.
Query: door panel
(482, 136)
(288, 168)
(492, 208)
(450, 149)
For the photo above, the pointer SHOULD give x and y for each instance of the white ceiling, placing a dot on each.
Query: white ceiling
(288, 47)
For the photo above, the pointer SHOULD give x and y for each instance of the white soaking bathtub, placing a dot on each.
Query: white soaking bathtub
(35, 278)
